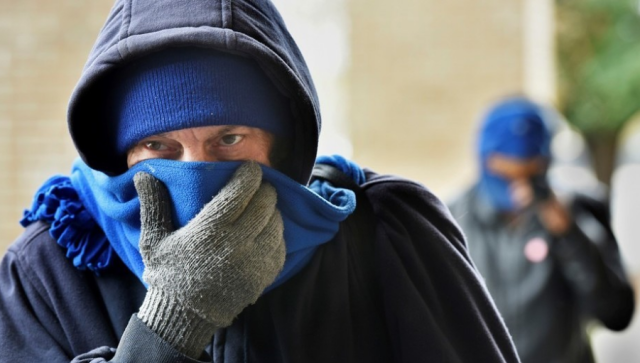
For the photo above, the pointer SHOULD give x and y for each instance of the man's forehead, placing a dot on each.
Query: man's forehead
(213, 130)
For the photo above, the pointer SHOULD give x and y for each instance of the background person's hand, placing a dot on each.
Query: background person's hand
(204, 274)
(554, 216)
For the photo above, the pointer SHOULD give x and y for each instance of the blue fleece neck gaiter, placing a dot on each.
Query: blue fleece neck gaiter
(309, 219)
(513, 128)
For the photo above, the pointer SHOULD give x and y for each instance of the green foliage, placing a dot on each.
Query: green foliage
(598, 63)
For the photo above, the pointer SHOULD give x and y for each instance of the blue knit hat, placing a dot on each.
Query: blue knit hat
(515, 127)
(191, 87)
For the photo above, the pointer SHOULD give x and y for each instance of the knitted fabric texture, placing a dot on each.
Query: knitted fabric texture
(204, 274)
(515, 127)
(184, 88)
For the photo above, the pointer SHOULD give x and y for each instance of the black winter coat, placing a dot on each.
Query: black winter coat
(549, 301)
(431, 306)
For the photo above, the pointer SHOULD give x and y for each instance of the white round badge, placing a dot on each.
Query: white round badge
(536, 250)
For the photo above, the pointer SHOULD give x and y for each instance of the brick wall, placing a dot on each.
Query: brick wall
(43, 46)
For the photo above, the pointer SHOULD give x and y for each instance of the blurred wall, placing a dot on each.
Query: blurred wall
(622, 347)
(43, 46)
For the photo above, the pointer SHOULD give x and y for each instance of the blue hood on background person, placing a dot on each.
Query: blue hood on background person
(309, 219)
(252, 29)
(516, 128)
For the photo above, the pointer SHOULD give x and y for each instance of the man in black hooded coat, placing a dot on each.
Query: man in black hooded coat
(411, 294)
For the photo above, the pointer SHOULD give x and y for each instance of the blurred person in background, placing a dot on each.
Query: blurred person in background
(197, 226)
(550, 260)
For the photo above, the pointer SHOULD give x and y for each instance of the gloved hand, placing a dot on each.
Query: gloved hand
(204, 274)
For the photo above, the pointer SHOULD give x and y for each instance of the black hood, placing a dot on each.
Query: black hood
(134, 29)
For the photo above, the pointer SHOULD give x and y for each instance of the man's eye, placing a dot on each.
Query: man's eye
(155, 146)
(229, 140)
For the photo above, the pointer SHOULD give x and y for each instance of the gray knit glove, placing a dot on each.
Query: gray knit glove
(204, 274)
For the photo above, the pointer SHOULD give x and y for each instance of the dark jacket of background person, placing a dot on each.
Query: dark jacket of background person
(549, 288)
(432, 306)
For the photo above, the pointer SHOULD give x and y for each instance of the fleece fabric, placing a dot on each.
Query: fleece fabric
(310, 219)
(134, 29)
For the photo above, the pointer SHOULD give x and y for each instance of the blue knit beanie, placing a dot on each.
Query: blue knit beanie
(191, 87)
(515, 127)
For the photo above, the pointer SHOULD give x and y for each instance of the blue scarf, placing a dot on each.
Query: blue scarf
(92, 214)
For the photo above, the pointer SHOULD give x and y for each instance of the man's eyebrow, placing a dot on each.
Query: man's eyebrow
(225, 129)
(228, 128)
(163, 134)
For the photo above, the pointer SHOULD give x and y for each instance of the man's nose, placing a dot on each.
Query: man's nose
(197, 154)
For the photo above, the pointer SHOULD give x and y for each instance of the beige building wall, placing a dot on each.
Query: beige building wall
(43, 46)
(421, 73)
